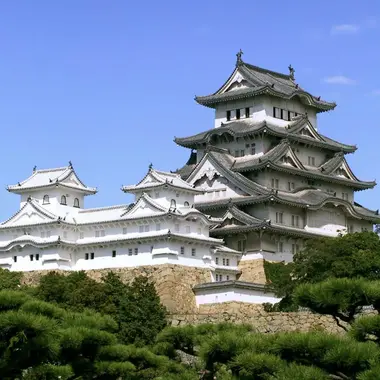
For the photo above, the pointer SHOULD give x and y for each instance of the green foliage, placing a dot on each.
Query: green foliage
(10, 280)
(140, 315)
(249, 365)
(48, 372)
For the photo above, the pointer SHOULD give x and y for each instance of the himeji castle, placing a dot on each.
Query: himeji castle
(267, 172)
(257, 185)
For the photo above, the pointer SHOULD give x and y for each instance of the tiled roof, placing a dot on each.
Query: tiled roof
(311, 199)
(155, 178)
(262, 81)
(52, 177)
(246, 127)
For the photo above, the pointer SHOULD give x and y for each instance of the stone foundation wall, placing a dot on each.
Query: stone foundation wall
(252, 271)
(255, 315)
(173, 283)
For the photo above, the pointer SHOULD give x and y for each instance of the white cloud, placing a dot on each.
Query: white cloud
(345, 29)
(339, 79)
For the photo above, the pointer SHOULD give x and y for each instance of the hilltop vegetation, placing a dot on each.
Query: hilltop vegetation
(72, 327)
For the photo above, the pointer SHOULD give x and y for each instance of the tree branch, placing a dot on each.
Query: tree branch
(339, 324)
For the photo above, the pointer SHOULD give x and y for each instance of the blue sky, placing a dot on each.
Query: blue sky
(108, 84)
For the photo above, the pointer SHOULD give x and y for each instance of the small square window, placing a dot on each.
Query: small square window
(193, 251)
(146, 228)
(182, 250)
(236, 153)
(92, 255)
(224, 261)
(216, 260)
(227, 262)
(86, 256)
(187, 229)
(113, 253)
(227, 277)
(242, 153)
(141, 228)
(136, 251)
(97, 233)
(130, 251)
(253, 148)
(158, 227)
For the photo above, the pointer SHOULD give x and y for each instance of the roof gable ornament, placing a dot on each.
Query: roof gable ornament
(70, 165)
(291, 72)
(34, 168)
(238, 57)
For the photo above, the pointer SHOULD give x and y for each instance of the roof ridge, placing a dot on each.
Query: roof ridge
(266, 71)
(51, 169)
(95, 209)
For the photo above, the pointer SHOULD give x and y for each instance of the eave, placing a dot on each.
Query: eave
(203, 140)
(135, 189)
(212, 101)
(22, 190)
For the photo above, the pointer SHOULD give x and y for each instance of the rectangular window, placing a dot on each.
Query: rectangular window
(236, 153)
(187, 229)
(216, 260)
(65, 234)
(242, 153)
(279, 217)
(295, 220)
(136, 251)
(182, 250)
(47, 234)
(216, 277)
(275, 183)
(228, 115)
(125, 230)
(193, 251)
(291, 115)
(227, 262)
(350, 229)
(237, 114)
(224, 261)
(97, 233)
(364, 229)
(220, 277)
(280, 246)
(146, 228)
(92, 255)
(311, 161)
(158, 227)
(241, 245)
(295, 248)
(345, 196)
(176, 227)
(15, 259)
(31, 257)
(253, 148)
(42, 234)
(113, 253)
(130, 251)
(81, 235)
(199, 230)
(291, 186)
(157, 194)
(277, 112)
(86, 256)
(37, 256)
(227, 277)
(141, 229)
(247, 112)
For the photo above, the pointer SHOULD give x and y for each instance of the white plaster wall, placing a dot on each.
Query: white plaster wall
(55, 194)
(208, 296)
